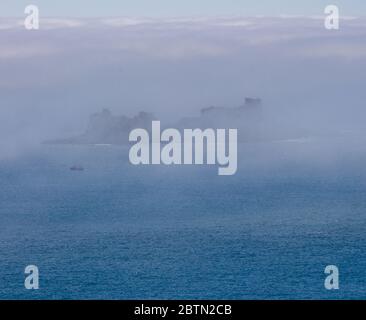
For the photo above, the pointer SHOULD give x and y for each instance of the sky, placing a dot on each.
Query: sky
(103, 8)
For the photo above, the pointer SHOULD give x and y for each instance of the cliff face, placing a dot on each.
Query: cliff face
(105, 128)
(250, 110)
(247, 118)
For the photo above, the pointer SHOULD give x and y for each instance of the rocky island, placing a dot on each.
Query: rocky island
(106, 128)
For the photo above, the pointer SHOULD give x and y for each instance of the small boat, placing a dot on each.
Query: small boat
(76, 168)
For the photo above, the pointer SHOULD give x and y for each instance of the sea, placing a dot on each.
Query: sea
(119, 231)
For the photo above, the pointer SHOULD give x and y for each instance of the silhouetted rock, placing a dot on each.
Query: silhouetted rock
(105, 128)
(246, 118)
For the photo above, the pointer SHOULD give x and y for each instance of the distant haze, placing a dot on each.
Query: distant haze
(54, 78)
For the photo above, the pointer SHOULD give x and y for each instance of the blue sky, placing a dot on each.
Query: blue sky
(98, 8)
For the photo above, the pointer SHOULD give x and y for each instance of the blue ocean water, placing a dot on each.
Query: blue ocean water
(117, 231)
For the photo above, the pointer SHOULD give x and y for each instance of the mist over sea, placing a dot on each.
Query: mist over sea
(118, 231)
